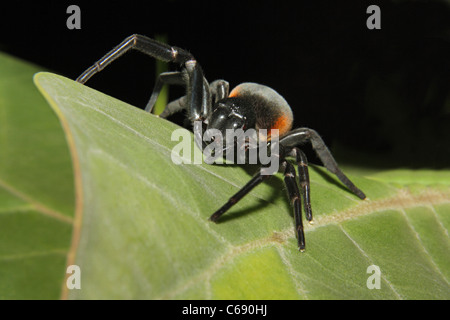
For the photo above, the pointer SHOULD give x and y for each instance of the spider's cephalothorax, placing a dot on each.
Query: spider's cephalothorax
(247, 106)
(250, 106)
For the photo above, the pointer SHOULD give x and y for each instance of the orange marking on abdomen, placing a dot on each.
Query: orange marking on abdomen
(283, 124)
(234, 92)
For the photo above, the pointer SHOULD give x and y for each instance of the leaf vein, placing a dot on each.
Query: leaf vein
(422, 246)
(33, 254)
(290, 269)
(371, 262)
(39, 207)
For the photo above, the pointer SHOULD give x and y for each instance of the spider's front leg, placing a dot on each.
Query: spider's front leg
(256, 180)
(218, 90)
(198, 98)
(293, 194)
(172, 78)
(151, 47)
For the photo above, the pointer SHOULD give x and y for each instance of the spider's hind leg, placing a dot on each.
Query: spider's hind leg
(294, 199)
(303, 176)
(300, 136)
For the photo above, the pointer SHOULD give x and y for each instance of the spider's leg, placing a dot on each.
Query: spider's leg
(303, 176)
(294, 198)
(198, 100)
(178, 78)
(174, 78)
(256, 180)
(302, 135)
(153, 48)
(219, 89)
(174, 107)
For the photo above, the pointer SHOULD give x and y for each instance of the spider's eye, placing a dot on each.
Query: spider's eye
(227, 116)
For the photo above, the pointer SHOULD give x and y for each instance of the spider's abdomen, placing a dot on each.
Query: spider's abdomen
(270, 108)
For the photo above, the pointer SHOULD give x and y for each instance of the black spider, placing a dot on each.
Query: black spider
(249, 105)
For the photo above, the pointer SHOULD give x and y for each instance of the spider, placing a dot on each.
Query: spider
(249, 105)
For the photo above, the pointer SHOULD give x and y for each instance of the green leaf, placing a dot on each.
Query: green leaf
(142, 230)
(36, 188)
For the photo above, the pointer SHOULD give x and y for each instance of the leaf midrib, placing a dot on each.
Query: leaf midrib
(401, 201)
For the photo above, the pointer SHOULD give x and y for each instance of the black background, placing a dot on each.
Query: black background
(378, 97)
